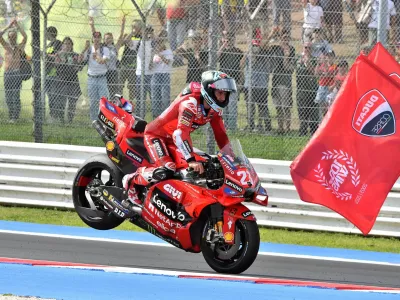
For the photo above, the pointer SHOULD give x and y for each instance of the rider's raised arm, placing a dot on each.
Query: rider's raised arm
(181, 136)
(217, 124)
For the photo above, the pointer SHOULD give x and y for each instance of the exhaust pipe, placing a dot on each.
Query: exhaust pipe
(101, 130)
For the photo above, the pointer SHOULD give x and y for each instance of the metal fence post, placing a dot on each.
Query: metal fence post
(38, 107)
(382, 21)
(212, 61)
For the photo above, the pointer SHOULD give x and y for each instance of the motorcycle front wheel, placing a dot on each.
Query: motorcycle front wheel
(101, 169)
(236, 258)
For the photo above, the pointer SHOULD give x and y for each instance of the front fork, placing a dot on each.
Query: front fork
(215, 234)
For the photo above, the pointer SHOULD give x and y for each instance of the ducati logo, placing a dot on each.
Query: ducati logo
(374, 116)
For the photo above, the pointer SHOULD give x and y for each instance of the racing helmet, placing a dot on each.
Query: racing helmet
(215, 80)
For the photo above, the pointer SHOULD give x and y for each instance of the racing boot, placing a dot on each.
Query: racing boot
(144, 176)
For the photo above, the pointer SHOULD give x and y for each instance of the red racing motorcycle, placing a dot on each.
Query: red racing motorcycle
(197, 213)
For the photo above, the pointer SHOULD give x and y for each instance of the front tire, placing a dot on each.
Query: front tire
(237, 258)
(92, 212)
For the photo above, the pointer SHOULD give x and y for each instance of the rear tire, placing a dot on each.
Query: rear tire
(93, 213)
(247, 243)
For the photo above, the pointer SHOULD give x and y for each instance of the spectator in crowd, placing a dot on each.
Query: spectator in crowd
(176, 23)
(192, 16)
(229, 11)
(68, 66)
(129, 57)
(144, 54)
(196, 58)
(112, 64)
(13, 52)
(307, 86)
(160, 8)
(396, 24)
(313, 18)
(257, 19)
(325, 71)
(366, 49)
(283, 66)
(97, 56)
(229, 62)
(333, 16)
(281, 8)
(342, 70)
(52, 83)
(257, 69)
(204, 16)
(373, 25)
(319, 45)
(397, 52)
(161, 79)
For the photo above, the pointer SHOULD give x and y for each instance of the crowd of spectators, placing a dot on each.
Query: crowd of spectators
(266, 69)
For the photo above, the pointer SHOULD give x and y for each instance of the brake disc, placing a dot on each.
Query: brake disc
(227, 251)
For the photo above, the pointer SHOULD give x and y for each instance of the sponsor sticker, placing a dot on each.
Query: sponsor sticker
(188, 114)
(134, 156)
(110, 146)
(247, 214)
(233, 185)
(116, 160)
(106, 121)
(184, 122)
(176, 194)
(187, 145)
(228, 236)
(111, 108)
(159, 148)
(166, 210)
(373, 115)
(229, 191)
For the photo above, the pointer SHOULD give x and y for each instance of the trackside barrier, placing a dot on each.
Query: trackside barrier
(41, 175)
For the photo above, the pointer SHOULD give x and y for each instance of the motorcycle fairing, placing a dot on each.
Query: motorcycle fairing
(231, 215)
(172, 206)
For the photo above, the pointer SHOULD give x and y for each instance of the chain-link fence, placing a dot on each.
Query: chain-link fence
(288, 57)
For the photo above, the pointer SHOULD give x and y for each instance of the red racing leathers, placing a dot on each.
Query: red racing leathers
(185, 114)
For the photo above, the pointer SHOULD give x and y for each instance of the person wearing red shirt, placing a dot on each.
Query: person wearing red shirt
(343, 69)
(197, 105)
(325, 71)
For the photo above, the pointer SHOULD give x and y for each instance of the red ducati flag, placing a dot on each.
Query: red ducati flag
(352, 161)
(381, 57)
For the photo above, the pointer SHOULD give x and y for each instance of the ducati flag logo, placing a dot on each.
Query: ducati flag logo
(351, 162)
(373, 115)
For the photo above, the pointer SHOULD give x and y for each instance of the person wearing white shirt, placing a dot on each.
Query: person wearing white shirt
(161, 80)
(144, 53)
(96, 56)
(373, 25)
(313, 19)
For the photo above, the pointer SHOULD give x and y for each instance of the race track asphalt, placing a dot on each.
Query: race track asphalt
(169, 258)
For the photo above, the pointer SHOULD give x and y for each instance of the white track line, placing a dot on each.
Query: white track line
(164, 244)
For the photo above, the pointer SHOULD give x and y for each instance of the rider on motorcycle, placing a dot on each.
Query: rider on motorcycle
(197, 105)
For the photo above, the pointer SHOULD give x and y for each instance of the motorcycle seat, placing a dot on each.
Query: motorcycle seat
(139, 125)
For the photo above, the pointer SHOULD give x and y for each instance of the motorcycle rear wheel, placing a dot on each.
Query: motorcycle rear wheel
(245, 249)
(91, 212)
